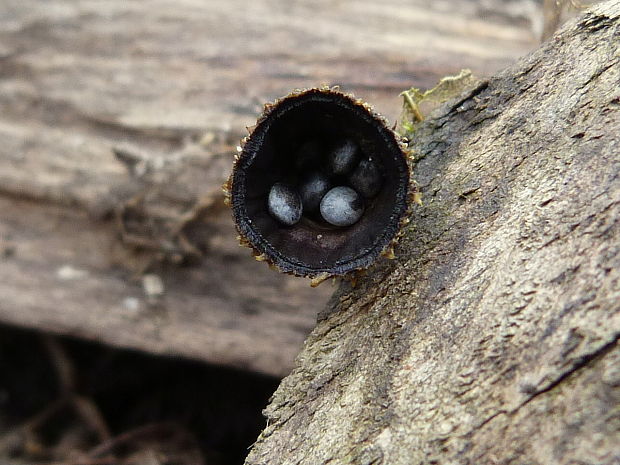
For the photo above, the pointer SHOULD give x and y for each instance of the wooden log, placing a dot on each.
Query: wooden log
(118, 123)
(493, 337)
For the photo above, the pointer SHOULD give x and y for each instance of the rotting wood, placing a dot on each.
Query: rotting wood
(493, 337)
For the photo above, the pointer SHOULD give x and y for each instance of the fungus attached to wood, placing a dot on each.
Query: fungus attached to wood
(339, 158)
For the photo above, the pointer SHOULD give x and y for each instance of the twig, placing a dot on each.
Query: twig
(85, 408)
(131, 435)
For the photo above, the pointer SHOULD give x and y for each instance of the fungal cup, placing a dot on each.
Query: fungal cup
(321, 135)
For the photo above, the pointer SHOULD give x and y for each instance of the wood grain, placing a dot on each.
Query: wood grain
(118, 121)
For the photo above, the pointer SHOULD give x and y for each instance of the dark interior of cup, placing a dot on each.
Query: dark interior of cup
(295, 138)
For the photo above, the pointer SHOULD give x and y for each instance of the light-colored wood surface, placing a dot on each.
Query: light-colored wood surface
(169, 87)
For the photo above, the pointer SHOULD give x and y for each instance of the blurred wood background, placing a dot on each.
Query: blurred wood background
(118, 122)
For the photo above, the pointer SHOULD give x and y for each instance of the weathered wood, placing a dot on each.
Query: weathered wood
(118, 122)
(493, 338)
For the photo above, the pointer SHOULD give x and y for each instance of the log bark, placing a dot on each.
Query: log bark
(118, 123)
(493, 337)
